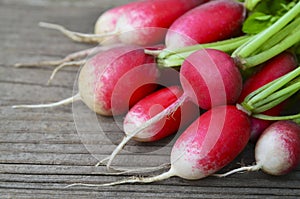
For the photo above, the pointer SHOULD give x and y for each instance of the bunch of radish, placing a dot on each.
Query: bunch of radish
(205, 38)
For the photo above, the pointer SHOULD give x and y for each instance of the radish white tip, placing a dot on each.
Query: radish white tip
(241, 108)
(55, 104)
(152, 52)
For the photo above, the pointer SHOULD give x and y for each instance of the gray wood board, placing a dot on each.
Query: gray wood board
(41, 151)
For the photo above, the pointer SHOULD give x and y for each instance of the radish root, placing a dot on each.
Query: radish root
(55, 104)
(242, 169)
(76, 36)
(102, 162)
(121, 171)
(169, 110)
(68, 58)
(72, 63)
(133, 179)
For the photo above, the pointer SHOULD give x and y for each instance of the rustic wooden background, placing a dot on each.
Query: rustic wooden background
(41, 150)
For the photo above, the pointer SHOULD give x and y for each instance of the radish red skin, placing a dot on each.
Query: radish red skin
(146, 20)
(206, 146)
(100, 75)
(277, 151)
(213, 21)
(152, 105)
(213, 76)
(271, 70)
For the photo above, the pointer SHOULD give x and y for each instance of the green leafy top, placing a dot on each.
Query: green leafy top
(264, 13)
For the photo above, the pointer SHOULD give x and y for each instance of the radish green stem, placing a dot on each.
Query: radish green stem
(281, 34)
(290, 89)
(237, 50)
(234, 41)
(267, 117)
(272, 104)
(286, 43)
(273, 93)
(176, 58)
(256, 42)
(297, 120)
(60, 103)
(259, 90)
(273, 86)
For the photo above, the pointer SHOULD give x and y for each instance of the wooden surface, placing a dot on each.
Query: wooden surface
(41, 150)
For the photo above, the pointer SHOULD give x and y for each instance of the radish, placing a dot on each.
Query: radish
(210, 22)
(207, 145)
(221, 133)
(271, 70)
(142, 22)
(104, 78)
(152, 105)
(198, 77)
(145, 21)
(277, 151)
(199, 73)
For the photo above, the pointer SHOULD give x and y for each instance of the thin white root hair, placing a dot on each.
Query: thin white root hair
(121, 171)
(40, 63)
(169, 110)
(242, 169)
(76, 36)
(130, 180)
(68, 58)
(72, 63)
(102, 162)
(50, 105)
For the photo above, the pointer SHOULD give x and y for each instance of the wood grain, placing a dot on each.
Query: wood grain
(41, 150)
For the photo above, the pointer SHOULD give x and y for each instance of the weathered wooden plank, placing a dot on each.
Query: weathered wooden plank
(128, 159)
(27, 193)
(64, 78)
(261, 180)
(56, 149)
(41, 151)
(156, 188)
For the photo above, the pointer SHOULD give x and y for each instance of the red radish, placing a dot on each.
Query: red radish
(146, 21)
(271, 70)
(206, 146)
(213, 76)
(210, 22)
(277, 151)
(209, 78)
(143, 22)
(152, 105)
(104, 78)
